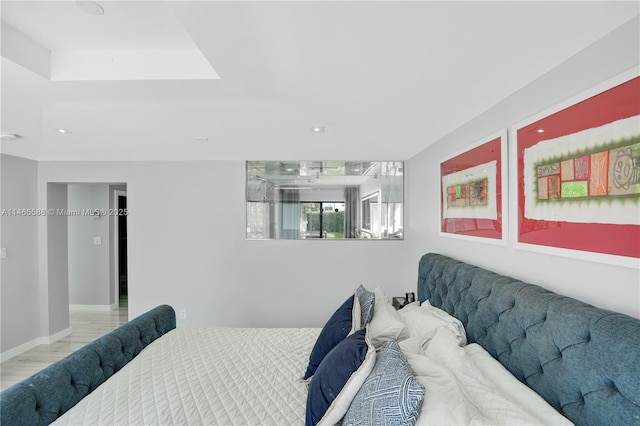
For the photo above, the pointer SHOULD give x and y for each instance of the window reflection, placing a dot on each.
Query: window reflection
(324, 199)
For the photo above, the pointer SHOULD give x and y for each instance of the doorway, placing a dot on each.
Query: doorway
(82, 251)
(121, 273)
(322, 219)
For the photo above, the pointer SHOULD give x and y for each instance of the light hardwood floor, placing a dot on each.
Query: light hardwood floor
(86, 327)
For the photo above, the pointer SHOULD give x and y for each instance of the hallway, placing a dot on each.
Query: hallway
(86, 326)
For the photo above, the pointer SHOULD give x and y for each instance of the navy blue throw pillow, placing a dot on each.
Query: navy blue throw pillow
(333, 332)
(333, 373)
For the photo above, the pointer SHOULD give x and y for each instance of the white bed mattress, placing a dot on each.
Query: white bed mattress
(223, 376)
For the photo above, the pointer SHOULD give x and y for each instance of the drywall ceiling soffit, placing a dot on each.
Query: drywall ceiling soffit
(386, 79)
(135, 40)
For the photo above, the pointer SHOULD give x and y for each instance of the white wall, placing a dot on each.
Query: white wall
(55, 301)
(370, 187)
(89, 264)
(611, 287)
(19, 271)
(322, 194)
(187, 248)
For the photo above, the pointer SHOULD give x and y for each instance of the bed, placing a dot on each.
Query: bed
(475, 348)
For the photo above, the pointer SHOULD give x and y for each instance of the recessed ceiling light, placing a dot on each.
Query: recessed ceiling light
(61, 130)
(90, 7)
(540, 130)
(317, 129)
(5, 137)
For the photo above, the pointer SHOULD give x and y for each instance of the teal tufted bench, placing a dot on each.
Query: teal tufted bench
(582, 360)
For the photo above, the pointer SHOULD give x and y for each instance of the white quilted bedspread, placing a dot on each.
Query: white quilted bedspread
(207, 376)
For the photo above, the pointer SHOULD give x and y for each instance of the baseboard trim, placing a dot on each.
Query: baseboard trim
(89, 308)
(57, 336)
(19, 349)
(45, 340)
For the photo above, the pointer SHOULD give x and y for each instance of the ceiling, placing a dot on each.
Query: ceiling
(198, 80)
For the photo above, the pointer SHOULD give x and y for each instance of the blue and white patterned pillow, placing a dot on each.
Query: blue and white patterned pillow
(366, 299)
(390, 395)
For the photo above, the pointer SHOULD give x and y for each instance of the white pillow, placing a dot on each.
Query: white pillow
(356, 316)
(510, 388)
(460, 390)
(385, 322)
(448, 317)
(423, 321)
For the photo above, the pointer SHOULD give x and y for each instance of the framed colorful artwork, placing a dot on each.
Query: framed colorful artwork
(472, 201)
(576, 176)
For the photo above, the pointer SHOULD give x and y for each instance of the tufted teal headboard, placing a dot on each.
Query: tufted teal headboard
(583, 360)
(45, 396)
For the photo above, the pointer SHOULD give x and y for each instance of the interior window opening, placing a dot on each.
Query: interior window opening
(325, 200)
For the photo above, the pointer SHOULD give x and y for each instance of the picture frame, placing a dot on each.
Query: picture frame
(473, 191)
(575, 176)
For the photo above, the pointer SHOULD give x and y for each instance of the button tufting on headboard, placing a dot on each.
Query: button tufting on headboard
(583, 360)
